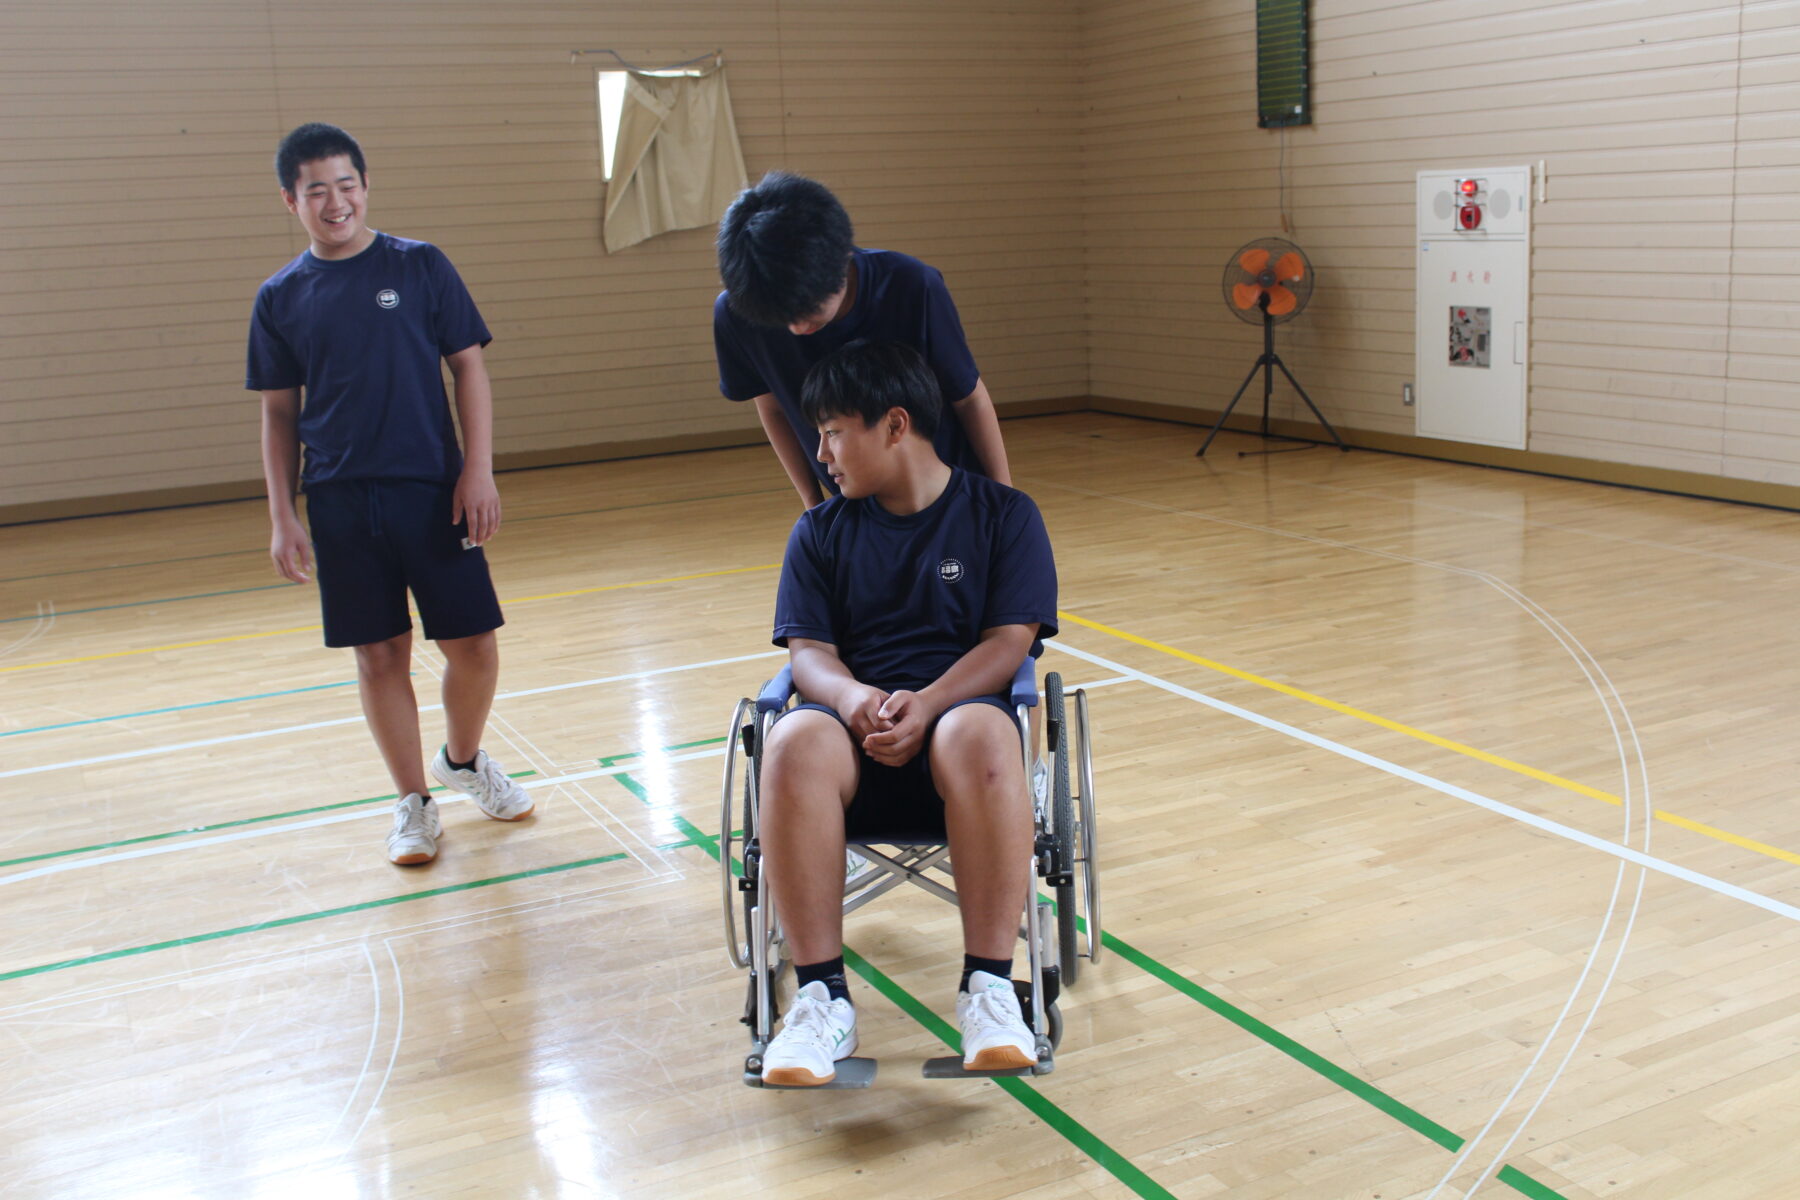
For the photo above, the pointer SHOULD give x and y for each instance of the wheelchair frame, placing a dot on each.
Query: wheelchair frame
(1063, 854)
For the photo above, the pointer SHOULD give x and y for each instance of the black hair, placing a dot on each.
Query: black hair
(784, 249)
(866, 379)
(311, 142)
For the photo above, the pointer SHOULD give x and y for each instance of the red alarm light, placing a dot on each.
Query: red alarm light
(1468, 187)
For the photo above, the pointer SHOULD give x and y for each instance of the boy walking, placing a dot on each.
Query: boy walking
(345, 343)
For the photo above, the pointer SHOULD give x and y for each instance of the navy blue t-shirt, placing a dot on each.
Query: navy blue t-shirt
(902, 598)
(898, 299)
(365, 337)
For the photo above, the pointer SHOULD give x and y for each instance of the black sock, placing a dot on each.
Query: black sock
(1000, 968)
(829, 973)
(456, 766)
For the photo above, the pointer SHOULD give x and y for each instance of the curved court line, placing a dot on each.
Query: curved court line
(374, 1036)
(393, 1054)
(41, 625)
(172, 747)
(269, 633)
(1609, 696)
(1584, 659)
(1457, 747)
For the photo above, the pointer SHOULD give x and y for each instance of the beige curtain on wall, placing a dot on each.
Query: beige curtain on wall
(677, 164)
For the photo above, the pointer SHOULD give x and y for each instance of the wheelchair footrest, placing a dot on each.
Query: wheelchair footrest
(951, 1067)
(851, 1073)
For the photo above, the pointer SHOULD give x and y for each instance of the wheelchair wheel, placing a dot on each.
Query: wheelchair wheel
(1088, 863)
(738, 730)
(1062, 825)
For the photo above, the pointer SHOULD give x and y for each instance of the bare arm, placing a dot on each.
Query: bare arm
(976, 412)
(821, 676)
(288, 545)
(476, 496)
(794, 459)
(985, 669)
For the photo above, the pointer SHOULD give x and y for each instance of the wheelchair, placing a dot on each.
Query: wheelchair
(1063, 858)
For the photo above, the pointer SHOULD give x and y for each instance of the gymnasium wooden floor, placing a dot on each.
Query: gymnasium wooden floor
(1448, 837)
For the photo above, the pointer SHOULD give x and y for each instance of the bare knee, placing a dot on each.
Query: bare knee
(807, 753)
(482, 651)
(975, 753)
(385, 659)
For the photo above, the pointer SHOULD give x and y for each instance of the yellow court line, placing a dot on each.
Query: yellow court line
(1508, 764)
(245, 637)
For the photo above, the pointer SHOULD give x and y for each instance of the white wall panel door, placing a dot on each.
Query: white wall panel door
(1473, 291)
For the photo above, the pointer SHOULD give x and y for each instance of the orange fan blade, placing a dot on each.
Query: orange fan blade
(1244, 294)
(1290, 267)
(1253, 261)
(1282, 301)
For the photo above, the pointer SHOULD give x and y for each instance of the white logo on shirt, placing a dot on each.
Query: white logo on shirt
(950, 570)
(388, 298)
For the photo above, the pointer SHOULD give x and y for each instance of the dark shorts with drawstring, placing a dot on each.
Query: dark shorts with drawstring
(374, 540)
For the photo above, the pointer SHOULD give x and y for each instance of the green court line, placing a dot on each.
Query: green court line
(1083, 1138)
(157, 712)
(173, 833)
(1312, 1060)
(70, 612)
(279, 922)
(1264, 1032)
(1051, 1114)
(612, 759)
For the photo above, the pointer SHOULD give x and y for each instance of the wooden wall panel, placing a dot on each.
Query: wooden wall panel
(140, 209)
(1666, 262)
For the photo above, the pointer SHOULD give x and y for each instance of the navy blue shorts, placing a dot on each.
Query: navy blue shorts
(898, 804)
(376, 539)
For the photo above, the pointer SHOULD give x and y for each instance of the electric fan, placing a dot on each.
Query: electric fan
(1268, 282)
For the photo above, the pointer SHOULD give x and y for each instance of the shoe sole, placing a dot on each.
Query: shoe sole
(1000, 1058)
(413, 859)
(796, 1077)
(518, 816)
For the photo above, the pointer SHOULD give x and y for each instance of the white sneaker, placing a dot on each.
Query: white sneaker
(994, 1034)
(494, 794)
(818, 1031)
(1040, 785)
(416, 831)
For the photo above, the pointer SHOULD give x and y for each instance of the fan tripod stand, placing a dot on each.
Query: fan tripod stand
(1268, 360)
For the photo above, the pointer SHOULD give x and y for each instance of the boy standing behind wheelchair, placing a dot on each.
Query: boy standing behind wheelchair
(906, 603)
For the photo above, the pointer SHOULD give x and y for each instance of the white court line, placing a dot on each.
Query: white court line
(372, 811)
(334, 819)
(262, 733)
(1544, 824)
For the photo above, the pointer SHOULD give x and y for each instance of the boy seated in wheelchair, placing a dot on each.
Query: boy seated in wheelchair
(906, 604)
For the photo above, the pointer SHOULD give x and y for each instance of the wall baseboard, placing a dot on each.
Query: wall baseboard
(1655, 479)
(1560, 466)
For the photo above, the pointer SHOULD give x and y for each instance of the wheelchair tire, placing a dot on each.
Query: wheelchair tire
(1062, 825)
